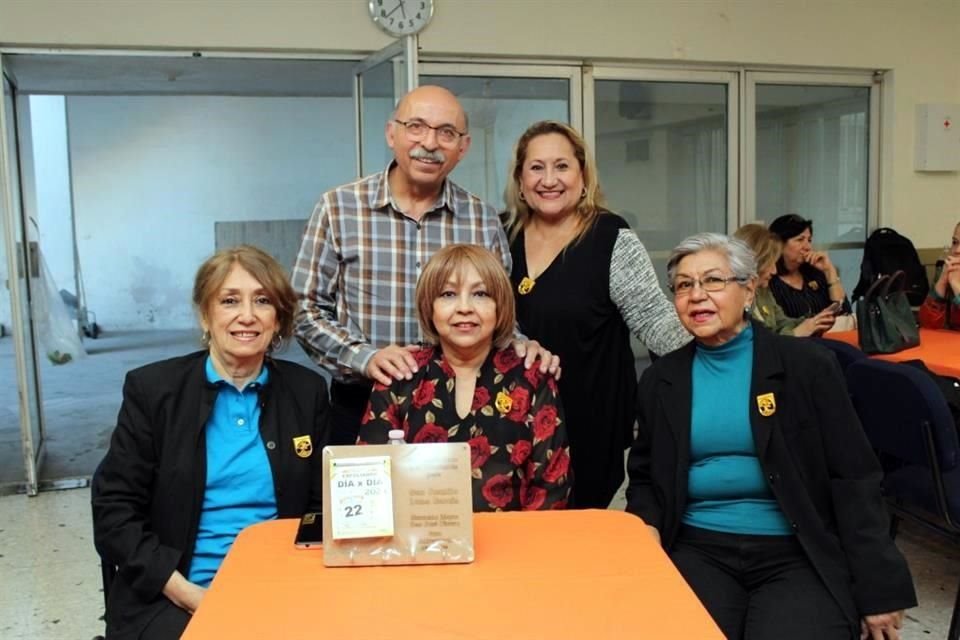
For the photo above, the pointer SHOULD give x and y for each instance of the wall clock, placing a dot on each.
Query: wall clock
(401, 17)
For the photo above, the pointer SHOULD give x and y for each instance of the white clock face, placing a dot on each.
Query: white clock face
(401, 17)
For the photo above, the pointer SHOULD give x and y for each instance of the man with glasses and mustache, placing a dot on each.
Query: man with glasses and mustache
(366, 244)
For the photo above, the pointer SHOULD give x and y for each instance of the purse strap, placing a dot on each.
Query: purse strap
(896, 276)
(872, 291)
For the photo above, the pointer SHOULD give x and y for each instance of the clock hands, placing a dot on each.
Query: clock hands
(404, 23)
(400, 6)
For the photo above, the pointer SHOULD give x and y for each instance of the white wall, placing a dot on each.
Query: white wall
(153, 173)
(917, 40)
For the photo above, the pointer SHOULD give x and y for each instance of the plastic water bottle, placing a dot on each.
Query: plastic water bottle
(395, 436)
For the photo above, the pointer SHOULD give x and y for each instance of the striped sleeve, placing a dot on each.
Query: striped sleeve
(641, 301)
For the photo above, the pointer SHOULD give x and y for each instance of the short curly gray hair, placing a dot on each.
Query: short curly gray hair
(739, 256)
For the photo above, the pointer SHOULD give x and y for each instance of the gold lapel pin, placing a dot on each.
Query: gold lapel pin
(303, 446)
(503, 402)
(767, 404)
(526, 285)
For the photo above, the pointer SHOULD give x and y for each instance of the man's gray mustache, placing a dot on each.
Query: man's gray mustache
(420, 153)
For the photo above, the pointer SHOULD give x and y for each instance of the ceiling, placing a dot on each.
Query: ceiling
(101, 74)
(188, 75)
(181, 75)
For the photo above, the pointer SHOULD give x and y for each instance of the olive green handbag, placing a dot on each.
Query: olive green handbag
(885, 319)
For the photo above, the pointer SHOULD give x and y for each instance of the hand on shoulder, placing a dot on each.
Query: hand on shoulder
(531, 351)
(393, 362)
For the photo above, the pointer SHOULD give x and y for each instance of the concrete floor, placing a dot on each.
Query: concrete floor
(81, 399)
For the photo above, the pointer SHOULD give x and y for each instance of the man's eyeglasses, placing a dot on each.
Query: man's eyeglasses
(417, 131)
(684, 286)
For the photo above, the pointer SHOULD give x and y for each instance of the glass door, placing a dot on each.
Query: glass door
(379, 81)
(22, 272)
(279, 129)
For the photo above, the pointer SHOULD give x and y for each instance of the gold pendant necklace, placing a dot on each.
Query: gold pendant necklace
(526, 285)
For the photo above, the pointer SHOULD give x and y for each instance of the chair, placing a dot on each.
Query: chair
(846, 353)
(908, 422)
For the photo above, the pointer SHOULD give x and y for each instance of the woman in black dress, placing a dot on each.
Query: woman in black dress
(583, 282)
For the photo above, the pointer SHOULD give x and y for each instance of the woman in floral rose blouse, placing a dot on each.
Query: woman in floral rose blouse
(473, 388)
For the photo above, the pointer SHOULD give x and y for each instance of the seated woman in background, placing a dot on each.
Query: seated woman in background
(944, 296)
(205, 445)
(806, 282)
(766, 247)
(473, 388)
(752, 470)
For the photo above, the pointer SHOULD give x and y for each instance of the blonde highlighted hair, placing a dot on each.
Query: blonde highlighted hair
(448, 264)
(590, 205)
(765, 244)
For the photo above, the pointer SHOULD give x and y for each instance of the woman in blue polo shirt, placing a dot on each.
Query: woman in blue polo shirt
(205, 445)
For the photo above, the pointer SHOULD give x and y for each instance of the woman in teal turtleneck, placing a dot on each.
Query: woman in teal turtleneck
(751, 468)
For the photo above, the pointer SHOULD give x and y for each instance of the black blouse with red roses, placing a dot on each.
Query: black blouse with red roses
(518, 442)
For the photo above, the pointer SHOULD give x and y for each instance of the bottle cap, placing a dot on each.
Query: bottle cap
(395, 434)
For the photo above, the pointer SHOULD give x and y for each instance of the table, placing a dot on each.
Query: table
(939, 349)
(546, 575)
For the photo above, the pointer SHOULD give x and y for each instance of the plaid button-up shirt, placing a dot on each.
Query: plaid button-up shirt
(359, 262)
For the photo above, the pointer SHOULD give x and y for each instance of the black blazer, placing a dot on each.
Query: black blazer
(817, 460)
(147, 493)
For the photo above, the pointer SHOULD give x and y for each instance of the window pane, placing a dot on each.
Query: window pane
(662, 158)
(813, 157)
(377, 103)
(500, 109)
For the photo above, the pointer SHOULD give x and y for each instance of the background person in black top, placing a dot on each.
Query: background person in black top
(807, 281)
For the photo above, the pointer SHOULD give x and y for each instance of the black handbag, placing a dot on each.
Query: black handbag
(885, 319)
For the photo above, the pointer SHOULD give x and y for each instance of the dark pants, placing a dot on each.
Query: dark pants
(347, 404)
(168, 624)
(593, 495)
(759, 587)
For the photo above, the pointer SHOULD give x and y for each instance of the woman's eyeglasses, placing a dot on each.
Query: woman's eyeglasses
(711, 284)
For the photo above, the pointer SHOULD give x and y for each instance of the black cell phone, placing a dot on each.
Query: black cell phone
(310, 531)
(835, 307)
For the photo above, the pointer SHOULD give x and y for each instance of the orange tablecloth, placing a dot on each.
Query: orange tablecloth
(550, 575)
(939, 350)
